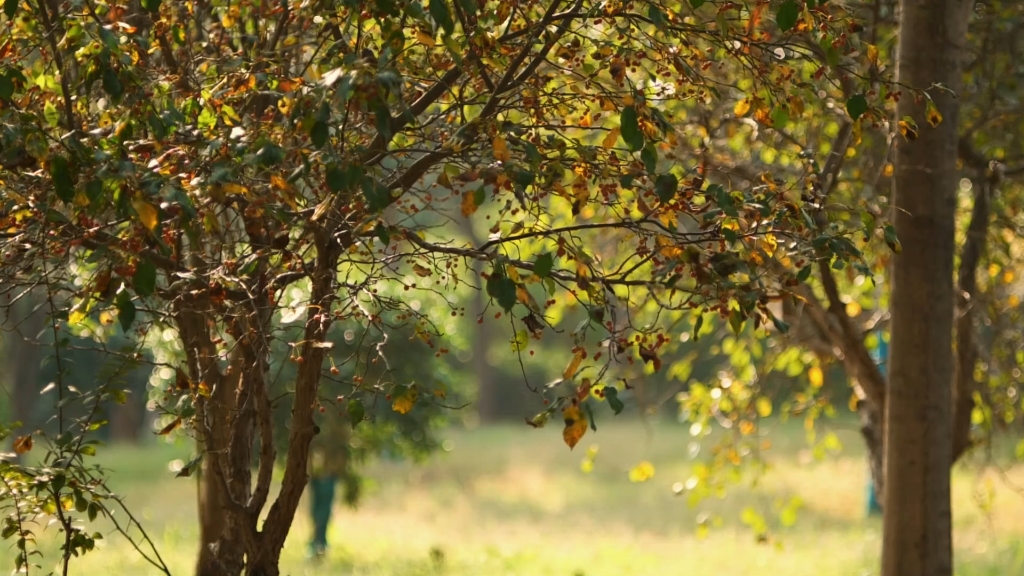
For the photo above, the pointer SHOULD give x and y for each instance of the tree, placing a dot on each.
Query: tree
(919, 409)
(200, 172)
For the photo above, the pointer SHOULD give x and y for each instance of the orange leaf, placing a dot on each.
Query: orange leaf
(468, 204)
(23, 444)
(421, 271)
(501, 149)
(575, 424)
(574, 364)
(612, 137)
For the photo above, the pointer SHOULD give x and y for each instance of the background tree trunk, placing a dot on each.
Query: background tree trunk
(918, 417)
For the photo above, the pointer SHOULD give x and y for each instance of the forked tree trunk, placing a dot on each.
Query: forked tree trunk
(919, 439)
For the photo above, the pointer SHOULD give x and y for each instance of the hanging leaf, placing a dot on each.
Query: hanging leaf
(763, 406)
(442, 15)
(404, 399)
(501, 152)
(611, 138)
(125, 310)
(63, 183)
(543, 264)
(666, 186)
(741, 108)
(148, 214)
(574, 364)
(152, 5)
(630, 129)
(318, 133)
(611, 395)
(502, 289)
(11, 8)
(575, 424)
(356, 411)
(856, 106)
(787, 15)
(932, 115)
(891, 240)
(468, 205)
(144, 279)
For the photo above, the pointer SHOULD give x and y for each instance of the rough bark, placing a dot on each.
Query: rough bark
(918, 410)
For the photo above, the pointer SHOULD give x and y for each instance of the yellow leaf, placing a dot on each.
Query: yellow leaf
(147, 213)
(932, 115)
(746, 427)
(642, 472)
(501, 152)
(425, 39)
(404, 401)
(170, 427)
(816, 376)
(574, 364)
(908, 130)
(764, 407)
(106, 318)
(872, 52)
(234, 188)
(468, 204)
(770, 244)
(887, 172)
(612, 137)
(741, 108)
(575, 424)
(75, 317)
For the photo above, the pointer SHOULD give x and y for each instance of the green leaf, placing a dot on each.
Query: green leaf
(502, 289)
(125, 310)
(10, 8)
(736, 321)
(356, 411)
(666, 186)
(479, 196)
(543, 264)
(630, 127)
(442, 15)
(891, 240)
(144, 279)
(51, 114)
(152, 5)
(63, 183)
(787, 15)
(804, 273)
(780, 117)
(856, 106)
(112, 84)
(649, 156)
(657, 16)
(611, 396)
(697, 326)
(377, 195)
(590, 416)
(94, 510)
(6, 88)
(697, 3)
(270, 154)
(382, 233)
(318, 133)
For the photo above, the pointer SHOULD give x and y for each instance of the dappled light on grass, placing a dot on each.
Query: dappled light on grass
(503, 503)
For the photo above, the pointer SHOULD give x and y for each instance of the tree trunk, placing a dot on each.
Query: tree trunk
(918, 413)
(488, 390)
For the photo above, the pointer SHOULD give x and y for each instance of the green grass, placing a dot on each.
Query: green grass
(510, 500)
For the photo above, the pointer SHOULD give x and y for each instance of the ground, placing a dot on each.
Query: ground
(510, 500)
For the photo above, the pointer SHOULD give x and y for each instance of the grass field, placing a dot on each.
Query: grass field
(510, 500)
